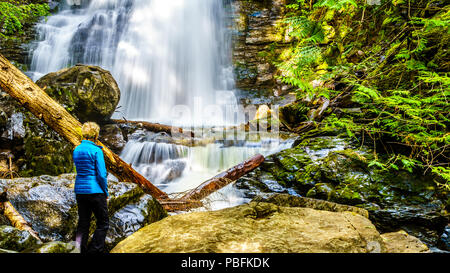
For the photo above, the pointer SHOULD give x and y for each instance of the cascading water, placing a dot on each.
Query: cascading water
(171, 60)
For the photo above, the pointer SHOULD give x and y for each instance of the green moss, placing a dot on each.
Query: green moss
(116, 203)
(321, 191)
(16, 240)
(346, 196)
(54, 247)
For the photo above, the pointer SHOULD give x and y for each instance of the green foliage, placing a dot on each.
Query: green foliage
(14, 14)
(393, 59)
(336, 4)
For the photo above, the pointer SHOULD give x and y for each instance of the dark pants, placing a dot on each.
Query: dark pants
(88, 204)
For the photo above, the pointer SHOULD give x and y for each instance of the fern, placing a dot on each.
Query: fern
(14, 15)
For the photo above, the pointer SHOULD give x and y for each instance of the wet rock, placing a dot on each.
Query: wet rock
(321, 191)
(444, 241)
(88, 92)
(111, 135)
(13, 239)
(257, 227)
(293, 113)
(49, 204)
(258, 28)
(36, 148)
(53, 247)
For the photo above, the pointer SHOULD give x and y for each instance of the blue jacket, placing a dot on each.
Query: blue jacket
(91, 169)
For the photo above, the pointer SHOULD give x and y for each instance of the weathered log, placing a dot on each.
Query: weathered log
(14, 216)
(156, 127)
(180, 205)
(223, 179)
(38, 102)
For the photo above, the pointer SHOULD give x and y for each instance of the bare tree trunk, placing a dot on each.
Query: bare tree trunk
(38, 102)
(14, 216)
(156, 127)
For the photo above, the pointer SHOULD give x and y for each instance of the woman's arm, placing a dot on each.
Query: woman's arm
(101, 172)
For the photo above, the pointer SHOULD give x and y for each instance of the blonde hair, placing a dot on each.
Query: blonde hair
(90, 130)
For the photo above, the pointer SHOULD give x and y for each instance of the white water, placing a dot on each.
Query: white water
(176, 169)
(171, 60)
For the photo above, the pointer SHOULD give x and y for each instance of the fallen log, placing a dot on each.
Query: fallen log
(223, 179)
(14, 216)
(180, 205)
(156, 127)
(38, 102)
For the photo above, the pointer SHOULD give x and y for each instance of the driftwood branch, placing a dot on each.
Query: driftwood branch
(14, 216)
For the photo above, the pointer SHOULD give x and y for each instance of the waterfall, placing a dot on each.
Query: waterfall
(171, 60)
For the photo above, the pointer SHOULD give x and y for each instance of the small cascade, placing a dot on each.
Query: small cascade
(176, 168)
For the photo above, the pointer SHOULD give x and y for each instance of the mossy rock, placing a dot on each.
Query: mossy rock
(16, 240)
(294, 113)
(321, 191)
(346, 196)
(45, 151)
(88, 92)
(53, 247)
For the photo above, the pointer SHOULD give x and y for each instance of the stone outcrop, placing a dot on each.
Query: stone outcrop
(34, 147)
(259, 37)
(264, 227)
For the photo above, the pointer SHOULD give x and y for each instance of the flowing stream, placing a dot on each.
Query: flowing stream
(172, 61)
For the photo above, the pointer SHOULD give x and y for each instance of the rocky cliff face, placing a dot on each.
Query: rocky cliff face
(259, 36)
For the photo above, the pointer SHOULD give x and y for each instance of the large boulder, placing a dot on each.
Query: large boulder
(257, 227)
(274, 224)
(88, 92)
(49, 204)
(16, 240)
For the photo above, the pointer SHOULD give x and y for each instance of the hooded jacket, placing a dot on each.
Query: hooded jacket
(91, 169)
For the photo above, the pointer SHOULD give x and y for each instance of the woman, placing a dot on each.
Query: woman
(91, 190)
